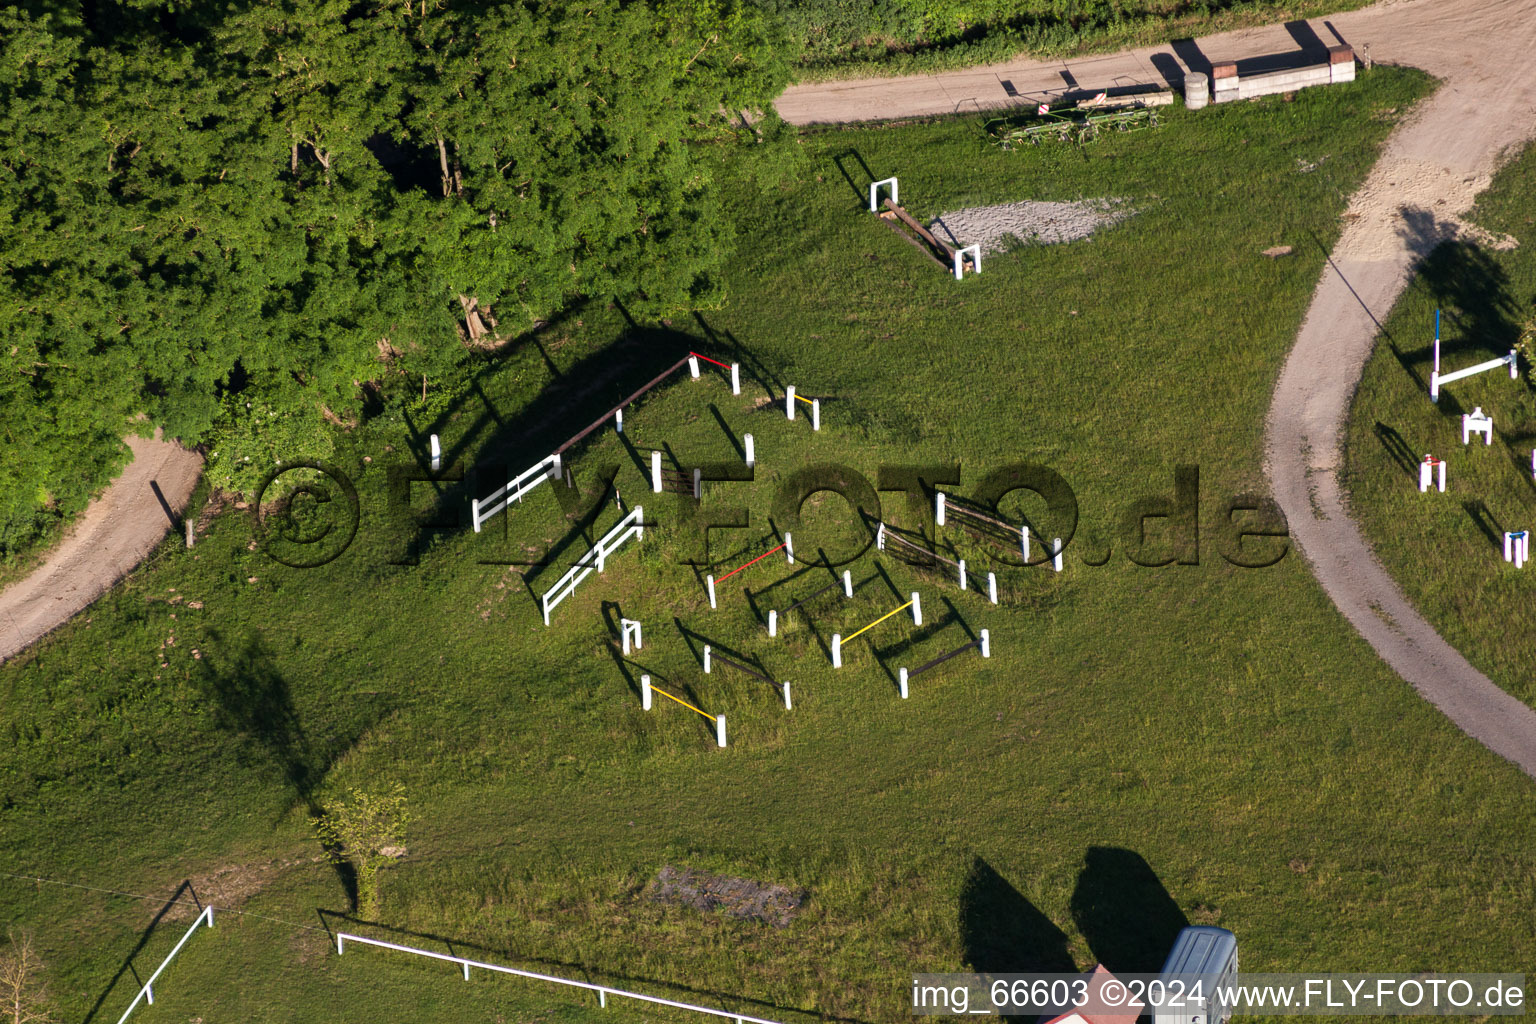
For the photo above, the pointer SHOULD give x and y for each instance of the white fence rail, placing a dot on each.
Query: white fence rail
(481, 509)
(603, 991)
(147, 993)
(595, 558)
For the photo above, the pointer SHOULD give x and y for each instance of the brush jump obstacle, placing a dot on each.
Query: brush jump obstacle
(630, 628)
(790, 398)
(917, 619)
(710, 658)
(1477, 422)
(1427, 468)
(846, 583)
(596, 557)
(646, 689)
(1517, 547)
(984, 642)
(787, 546)
(1436, 378)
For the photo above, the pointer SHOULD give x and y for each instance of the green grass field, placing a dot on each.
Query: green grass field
(1446, 550)
(1146, 746)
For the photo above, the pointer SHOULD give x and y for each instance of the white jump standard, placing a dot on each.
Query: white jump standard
(773, 615)
(1426, 470)
(596, 557)
(917, 620)
(646, 689)
(1517, 547)
(787, 546)
(874, 193)
(790, 398)
(630, 628)
(1436, 378)
(1477, 422)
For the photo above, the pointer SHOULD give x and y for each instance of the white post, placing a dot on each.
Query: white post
(789, 548)
(1024, 541)
(874, 190)
(639, 515)
(789, 401)
(618, 420)
(1525, 556)
(1056, 555)
(901, 681)
(986, 644)
(698, 483)
(1514, 365)
(706, 659)
(1442, 476)
(787, 705)
(880, 537)
(735, 378)
(655, 472)
(711, 581)
(554, 466)
(751, 450)
(466, 970)
(847, 583)
(837, 650)
(339, 950)
(815, 414)
(149, 995)
(693, 366)
(917, 609)
(1509, 540)
(992, 587)
(437, 454)
(628, 628)
(938, 508)
(1424, 475)
(720, 730)
(190, 529)
(474, 503)
(645, 693)
(962, 574)
(773, 622)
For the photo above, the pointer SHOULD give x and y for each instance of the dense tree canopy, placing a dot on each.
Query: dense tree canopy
(213, 215)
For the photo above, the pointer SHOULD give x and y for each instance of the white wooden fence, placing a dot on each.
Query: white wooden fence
(481, 509)
(595, 558)
(603, 991)
(147, 993)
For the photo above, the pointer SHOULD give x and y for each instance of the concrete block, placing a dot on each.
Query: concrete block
(1341, 73)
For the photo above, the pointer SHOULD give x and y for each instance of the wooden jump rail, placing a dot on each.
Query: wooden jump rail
(846, 583)
(710, 657)
(885, 534)
(942, 253)
(984, 642)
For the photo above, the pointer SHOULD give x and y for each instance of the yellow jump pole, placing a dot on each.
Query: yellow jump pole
(837, 640)
(646, 689)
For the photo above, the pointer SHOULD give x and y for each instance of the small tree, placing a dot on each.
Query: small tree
(366, 832)
(21, 985)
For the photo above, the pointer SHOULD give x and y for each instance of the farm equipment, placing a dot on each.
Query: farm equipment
(1067, 125)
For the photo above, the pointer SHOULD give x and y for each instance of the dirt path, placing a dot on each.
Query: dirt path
(1432, 170)
(111, 537)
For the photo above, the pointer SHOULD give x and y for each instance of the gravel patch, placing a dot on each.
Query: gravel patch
(996, 228)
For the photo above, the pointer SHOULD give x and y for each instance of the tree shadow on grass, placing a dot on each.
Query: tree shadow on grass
(1125, 913)
(1001, 932)
(127, 967)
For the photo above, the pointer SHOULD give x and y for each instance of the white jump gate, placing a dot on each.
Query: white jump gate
(603, 991)
(595, 558)
(147, 993)
(481, 509)
(1436, 378)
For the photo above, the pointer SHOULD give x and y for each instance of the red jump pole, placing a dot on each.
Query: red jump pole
(709, 360)
(750, 564)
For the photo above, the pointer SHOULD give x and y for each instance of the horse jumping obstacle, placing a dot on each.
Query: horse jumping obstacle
(882, 535)
(594, 558)
(1477, 422)
(1430, 463)
(984, 642)
(735, 368)
(545, 469)
(628, 628)
(1517, 547)
(924, 240)
(773, 615)
(1436, 378)
(790, 398)
(710, 658)
(917, 620)
(646, 690)
(787, 546)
